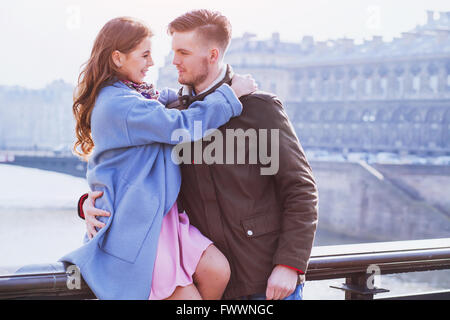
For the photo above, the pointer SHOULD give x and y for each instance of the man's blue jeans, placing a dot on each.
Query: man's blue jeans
(296, 295)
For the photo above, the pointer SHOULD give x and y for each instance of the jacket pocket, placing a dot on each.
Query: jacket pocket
(132, 220)
(261, 224)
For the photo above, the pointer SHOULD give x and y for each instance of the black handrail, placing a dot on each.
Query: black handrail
(56, 280)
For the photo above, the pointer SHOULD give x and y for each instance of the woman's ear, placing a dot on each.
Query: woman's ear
(117, 58)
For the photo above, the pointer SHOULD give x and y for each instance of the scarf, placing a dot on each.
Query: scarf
(147, 90)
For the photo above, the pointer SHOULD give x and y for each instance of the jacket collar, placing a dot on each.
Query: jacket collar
(186, 96)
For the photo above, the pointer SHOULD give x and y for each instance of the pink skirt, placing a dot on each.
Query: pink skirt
(180, 248)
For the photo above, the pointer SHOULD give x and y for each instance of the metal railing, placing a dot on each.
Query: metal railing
(357, 263)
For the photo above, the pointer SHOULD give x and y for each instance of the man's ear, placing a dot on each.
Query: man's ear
(117, 58)
(214, 55)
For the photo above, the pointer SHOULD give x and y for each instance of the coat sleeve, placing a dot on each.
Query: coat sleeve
(149, 122)
(167, 96)
(296, 188)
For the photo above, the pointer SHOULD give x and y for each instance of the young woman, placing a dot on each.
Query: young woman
(146, 249)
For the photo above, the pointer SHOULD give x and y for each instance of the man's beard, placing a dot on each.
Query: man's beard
(201, 74)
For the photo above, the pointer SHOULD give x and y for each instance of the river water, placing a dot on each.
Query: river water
(39, 224)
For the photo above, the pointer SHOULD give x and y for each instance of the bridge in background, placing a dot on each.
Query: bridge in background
(415, 203)
(45, 160)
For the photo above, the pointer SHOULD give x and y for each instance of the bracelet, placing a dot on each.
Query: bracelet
(80, 205)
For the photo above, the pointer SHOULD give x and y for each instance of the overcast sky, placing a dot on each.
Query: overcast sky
(49, 39)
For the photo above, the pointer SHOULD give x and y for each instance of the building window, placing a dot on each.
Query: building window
(383, 85)
(352, 86)
(368, 89)
(434, 83)
(416, 84)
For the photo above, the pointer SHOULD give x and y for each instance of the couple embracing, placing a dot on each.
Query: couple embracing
(160, 229)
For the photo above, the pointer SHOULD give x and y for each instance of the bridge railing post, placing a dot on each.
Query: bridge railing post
(357, 287)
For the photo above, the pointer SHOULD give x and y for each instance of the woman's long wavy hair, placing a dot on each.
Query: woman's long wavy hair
(122, 34)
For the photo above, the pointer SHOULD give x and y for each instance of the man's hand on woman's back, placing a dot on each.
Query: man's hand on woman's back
(91, 212)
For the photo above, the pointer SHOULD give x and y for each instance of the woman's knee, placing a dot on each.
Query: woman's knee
(214, 265)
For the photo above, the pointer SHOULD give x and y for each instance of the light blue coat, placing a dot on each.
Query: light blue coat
(131, 163)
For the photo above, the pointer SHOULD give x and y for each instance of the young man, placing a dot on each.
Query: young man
(262, 217)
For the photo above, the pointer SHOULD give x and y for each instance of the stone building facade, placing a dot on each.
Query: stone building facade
(37, 119)
(372, 96)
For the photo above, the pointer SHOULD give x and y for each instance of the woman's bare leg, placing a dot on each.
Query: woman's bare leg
(212, 274)
(189, 292)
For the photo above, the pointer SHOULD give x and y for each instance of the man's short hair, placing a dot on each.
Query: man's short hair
(211, 25)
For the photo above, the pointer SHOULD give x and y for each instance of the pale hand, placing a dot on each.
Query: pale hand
(90, 213)
(281, 283)
(243, 85)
